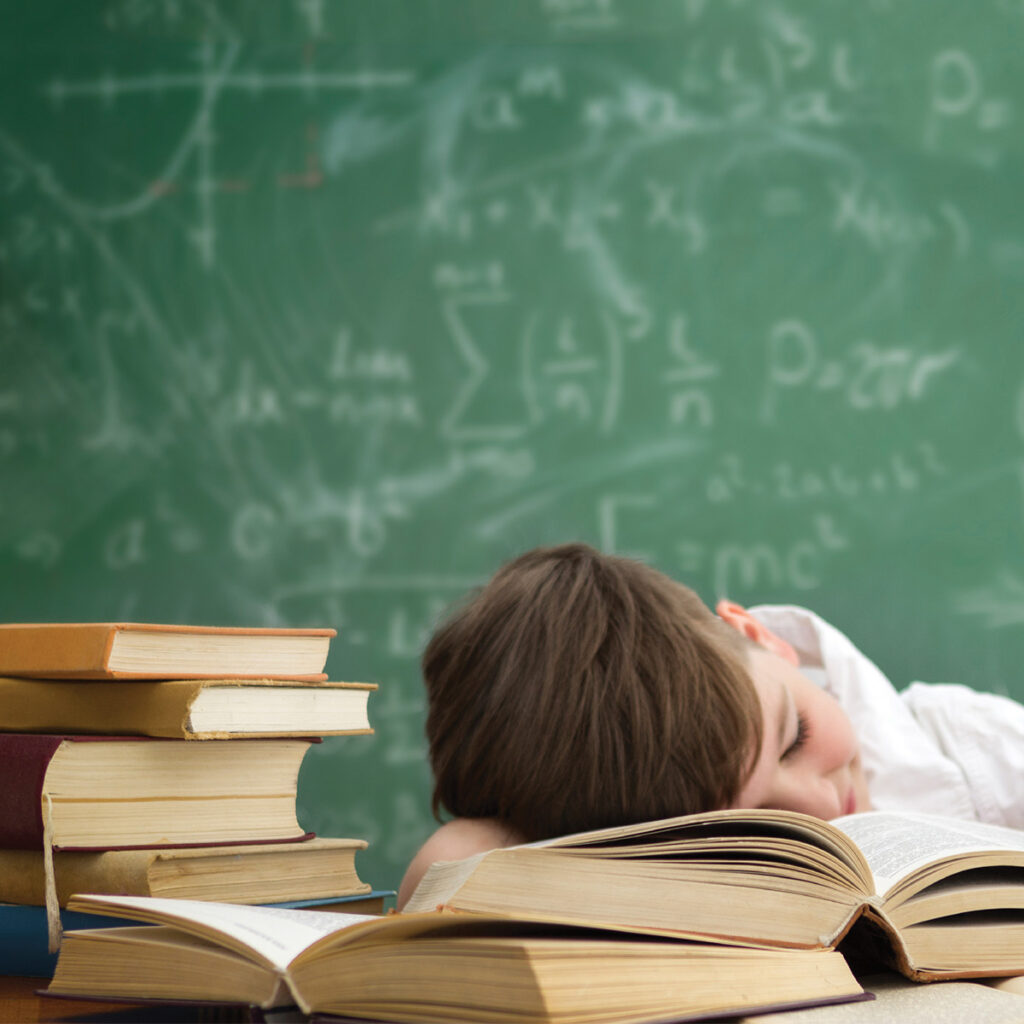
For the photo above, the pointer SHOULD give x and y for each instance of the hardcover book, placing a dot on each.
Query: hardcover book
(134, 650)
(935, 897)
(428, 967)
(91, 792)
(193, 709)
(264, 873)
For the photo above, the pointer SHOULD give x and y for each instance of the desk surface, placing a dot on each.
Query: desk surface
(896, 999)
(19, 1004)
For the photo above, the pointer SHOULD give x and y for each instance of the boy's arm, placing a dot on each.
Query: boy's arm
(983, 734)
(455, 840)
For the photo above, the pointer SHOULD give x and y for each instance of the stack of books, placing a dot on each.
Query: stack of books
(160, 760)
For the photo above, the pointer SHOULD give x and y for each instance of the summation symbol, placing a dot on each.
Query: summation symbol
(477, 413)
(553, 366)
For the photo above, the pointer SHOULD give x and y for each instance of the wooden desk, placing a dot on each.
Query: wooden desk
(19, 1004)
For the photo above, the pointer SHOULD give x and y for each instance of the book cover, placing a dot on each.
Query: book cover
(235, 873)
(101, 792)
(135, 650)
(194, 709)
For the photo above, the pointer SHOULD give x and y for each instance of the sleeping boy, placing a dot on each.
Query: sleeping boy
(578, 690)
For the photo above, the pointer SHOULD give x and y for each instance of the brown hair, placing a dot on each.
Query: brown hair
(578, 690)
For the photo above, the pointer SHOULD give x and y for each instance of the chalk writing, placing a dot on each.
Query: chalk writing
(39, 546)
(905, 470)
(689, 402)
(251, 402)
(741, 567)
(409, 630)
(400, 720)
(581, 14)
(610, 512)
(999, 604)
(216, 78)
(463, 420)
(867, 377)
(883, 223)
(956, 90)
(126, 545)
(573, 369)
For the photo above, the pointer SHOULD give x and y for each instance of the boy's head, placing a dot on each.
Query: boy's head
(578, 690)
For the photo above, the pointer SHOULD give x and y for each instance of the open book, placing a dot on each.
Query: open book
(939, 897)
(428, 967)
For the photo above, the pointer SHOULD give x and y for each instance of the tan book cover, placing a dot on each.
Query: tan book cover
(193, 709)
(264, 873)
(135, 650)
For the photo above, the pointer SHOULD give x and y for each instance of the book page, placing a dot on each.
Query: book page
(897, 844)
(273, 936)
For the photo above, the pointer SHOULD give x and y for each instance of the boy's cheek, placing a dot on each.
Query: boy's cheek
(860, 783)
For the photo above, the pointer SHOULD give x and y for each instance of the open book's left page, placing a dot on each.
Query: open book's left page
(274, 936)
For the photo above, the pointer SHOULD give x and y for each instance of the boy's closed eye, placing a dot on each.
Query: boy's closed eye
(803, 731)
(794, 725)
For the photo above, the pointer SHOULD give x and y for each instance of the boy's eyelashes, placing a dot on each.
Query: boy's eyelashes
(803, 729)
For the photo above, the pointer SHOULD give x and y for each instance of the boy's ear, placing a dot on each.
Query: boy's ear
(743, 622)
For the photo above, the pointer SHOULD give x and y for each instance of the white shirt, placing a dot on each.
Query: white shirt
(940, 748)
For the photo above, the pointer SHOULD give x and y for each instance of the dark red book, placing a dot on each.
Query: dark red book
(102, 792)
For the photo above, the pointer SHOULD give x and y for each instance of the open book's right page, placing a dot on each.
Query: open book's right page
(897, 844)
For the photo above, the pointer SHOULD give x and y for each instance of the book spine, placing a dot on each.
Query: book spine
(23, 938)
(58, 650)
(24, 760)
(121, 872)
(63, 706)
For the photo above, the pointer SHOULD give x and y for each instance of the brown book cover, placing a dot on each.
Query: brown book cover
(135, 650)
(194, 794)
(23, 764)
(191, 709)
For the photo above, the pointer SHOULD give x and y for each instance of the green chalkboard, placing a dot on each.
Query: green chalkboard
(313, 312)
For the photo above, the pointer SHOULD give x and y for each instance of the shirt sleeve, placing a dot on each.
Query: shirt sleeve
(983, 732)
